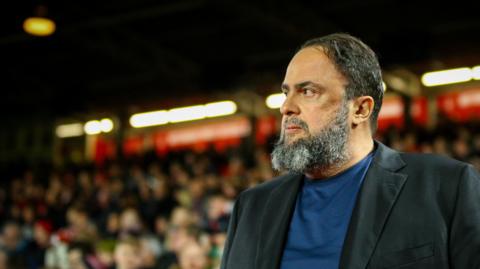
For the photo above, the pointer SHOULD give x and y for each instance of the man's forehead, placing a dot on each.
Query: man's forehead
(308, 64)
(310, 54)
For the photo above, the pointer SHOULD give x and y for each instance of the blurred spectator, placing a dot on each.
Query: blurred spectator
(460, 149)
(105, 253)
(150, 251)
(37, 248)
(193, 256)
(216, 251)
(3, 259)
(11, 239)
(217, 215)
(56, 255)
(80, 227)
(130, 223)
(178, 237)
(79, 255)
(440, 146)
(126, 254)
(112, 226)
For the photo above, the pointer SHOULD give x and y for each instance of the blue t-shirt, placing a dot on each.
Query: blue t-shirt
(321, 217)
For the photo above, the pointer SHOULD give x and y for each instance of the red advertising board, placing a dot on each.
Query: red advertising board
(221, 133)
(460, 105)
(393, 112)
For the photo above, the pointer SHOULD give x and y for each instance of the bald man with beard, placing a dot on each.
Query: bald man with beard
(345, 200)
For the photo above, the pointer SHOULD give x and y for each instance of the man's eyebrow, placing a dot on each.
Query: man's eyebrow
(301, 85)
(307, 83)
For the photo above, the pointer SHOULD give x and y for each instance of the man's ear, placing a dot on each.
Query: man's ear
(362, 109)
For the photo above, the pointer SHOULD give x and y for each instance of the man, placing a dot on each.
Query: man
(349, 201)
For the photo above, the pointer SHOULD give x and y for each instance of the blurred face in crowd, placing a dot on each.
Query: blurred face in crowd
(219, 239)
(28, 214)
(113, 223)
(130, 221)
(11, 236)
(193, 256)
(149, 251)
(3, 260)
(126, 256)
(178, 238)
(216, 207)
(77, 219)
(161, 225)
(75, 259)
(196, 189)
(105, 257)
(181, 217)
(440, 146)
(315, 114)
(460, 149)
(41, 236)
(160, 189)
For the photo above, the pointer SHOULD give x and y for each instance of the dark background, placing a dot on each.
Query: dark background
(111, 55)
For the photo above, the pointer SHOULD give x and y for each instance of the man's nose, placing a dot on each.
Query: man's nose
(289, 106)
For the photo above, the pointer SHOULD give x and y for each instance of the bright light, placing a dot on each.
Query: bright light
(186, 113)
(106, 125)
(93, 127)
(149, 119)
(384, 85)
(69, 130)
(182, 114)
(447, 76)
(220, 109)
(476, 72)
(275, 100)
(39, 26)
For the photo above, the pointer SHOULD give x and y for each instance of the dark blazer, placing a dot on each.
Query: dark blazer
(412, 211)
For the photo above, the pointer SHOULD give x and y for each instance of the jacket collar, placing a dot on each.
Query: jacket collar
(275, 222)
(381, 188)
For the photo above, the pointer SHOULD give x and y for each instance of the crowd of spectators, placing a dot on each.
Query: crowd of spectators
(166, 212)
(458, 141)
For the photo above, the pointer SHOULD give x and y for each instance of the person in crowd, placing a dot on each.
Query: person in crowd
(150, 251)
(80, 256)
(131, 223)
(126, 254)
(217, 214)
(178, 237)
(104, 251)
(37, 248)
(13, 244)
(193, 256)
(3, 259)
(80, 228)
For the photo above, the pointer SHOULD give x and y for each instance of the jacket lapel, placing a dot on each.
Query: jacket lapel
(275, 223)
(379, 191)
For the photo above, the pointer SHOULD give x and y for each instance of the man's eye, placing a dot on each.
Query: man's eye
(308, 92)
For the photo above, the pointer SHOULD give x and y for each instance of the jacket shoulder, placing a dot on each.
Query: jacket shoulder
(432, 161)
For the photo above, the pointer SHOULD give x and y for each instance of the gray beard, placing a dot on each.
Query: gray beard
(325, 150)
